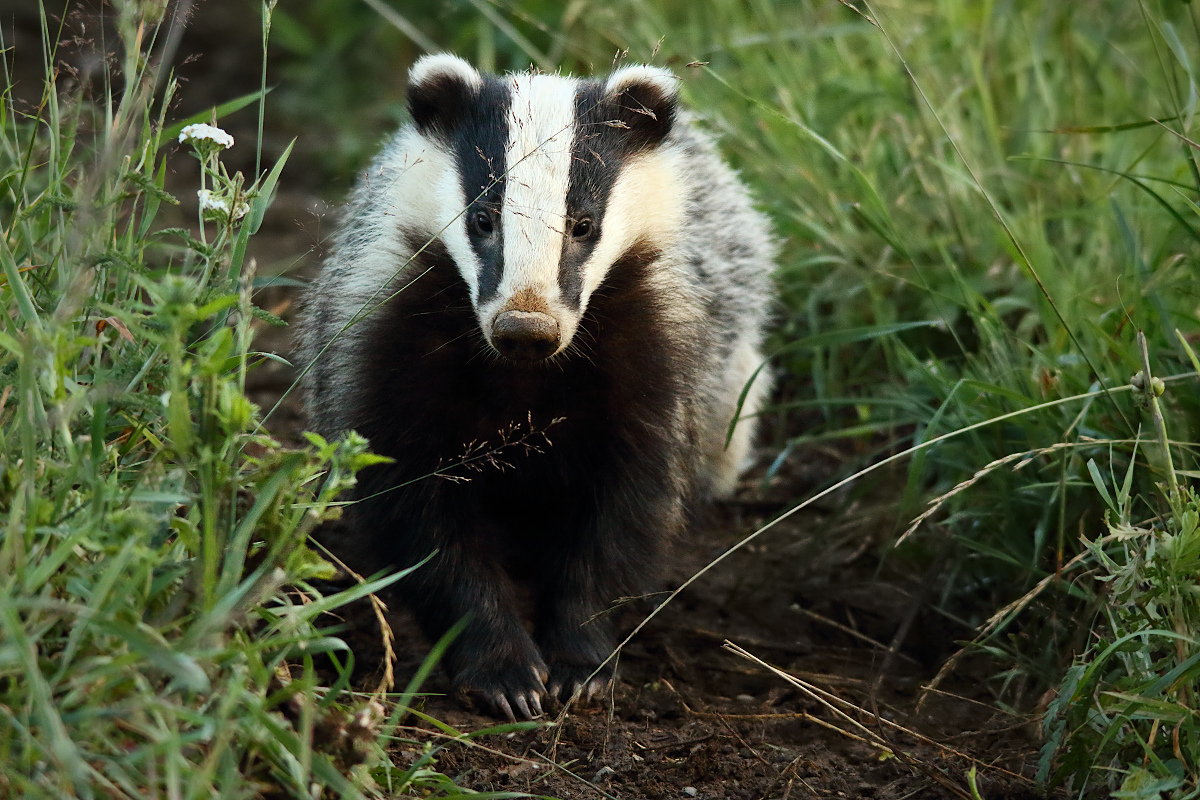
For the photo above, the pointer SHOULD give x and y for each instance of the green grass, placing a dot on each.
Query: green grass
(160, 632)
(952, 164)
(980, 205)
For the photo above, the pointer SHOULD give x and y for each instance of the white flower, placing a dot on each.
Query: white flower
(200, 133)
(211, 201)
(213, 206)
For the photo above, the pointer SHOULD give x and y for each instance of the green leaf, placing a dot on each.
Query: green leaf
(183, 670)
(150, 212)
(189, 241)
(215, 306)
(222, 110)
(1098, 481)
(270, 357)
(1126, 492)
(1191, 354)
(9, 343)
(266, 193)
(259, 204)
(1125, 126)
(17, 286)
(151, 188)
(240, 542)
(268, 317)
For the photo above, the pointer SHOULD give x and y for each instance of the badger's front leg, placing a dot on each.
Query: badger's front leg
(573, 633)
(493, 657)
(580, 581)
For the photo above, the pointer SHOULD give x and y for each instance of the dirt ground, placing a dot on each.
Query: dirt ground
(686, 716)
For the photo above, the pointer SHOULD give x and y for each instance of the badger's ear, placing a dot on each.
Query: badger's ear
(645, 99)
(440, 89)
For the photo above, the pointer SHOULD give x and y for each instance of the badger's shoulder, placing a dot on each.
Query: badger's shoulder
(725, 247)
(719, 207)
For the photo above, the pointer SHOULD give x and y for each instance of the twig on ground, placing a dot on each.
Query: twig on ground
(579, 778)
(862, 637)
(461, 739)
(667, 745)
(835, 704)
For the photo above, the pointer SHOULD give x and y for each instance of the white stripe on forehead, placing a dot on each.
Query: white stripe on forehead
(541, 128)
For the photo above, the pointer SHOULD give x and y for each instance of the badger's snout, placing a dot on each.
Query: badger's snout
(525, 335)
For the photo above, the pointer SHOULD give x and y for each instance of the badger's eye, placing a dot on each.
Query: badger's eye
(482, 221)
(583, 229)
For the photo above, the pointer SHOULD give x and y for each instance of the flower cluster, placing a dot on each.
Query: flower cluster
(215, 207)
(225, 201)
(201, 135)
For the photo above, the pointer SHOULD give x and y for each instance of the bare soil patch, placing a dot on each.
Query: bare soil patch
(687, 717)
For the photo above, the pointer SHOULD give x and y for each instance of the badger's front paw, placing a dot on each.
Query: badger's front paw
(576, 654)
(576, 681)
(511, 686)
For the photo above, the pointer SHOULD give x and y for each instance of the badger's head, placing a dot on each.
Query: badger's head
(541, 183)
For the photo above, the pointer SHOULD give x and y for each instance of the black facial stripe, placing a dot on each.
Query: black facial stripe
(477, 143)
(598, 152)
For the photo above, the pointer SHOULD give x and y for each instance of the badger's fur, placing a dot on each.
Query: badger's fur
(558, 282)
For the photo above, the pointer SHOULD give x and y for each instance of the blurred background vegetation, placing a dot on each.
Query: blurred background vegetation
(980, 206)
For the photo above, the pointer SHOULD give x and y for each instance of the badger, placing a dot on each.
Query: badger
(546, 304)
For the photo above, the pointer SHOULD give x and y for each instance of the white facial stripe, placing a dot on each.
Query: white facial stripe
(415, 166)
(427, 169)
(644, 206)
(541, 127)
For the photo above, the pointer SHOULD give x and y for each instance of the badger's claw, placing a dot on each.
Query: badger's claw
(519, 705)
(501, 702)
(513, 693)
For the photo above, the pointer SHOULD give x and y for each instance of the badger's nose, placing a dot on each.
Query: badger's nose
(525, 335)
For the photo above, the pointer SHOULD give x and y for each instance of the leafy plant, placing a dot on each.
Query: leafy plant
(1126, 712)
(159, 622)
